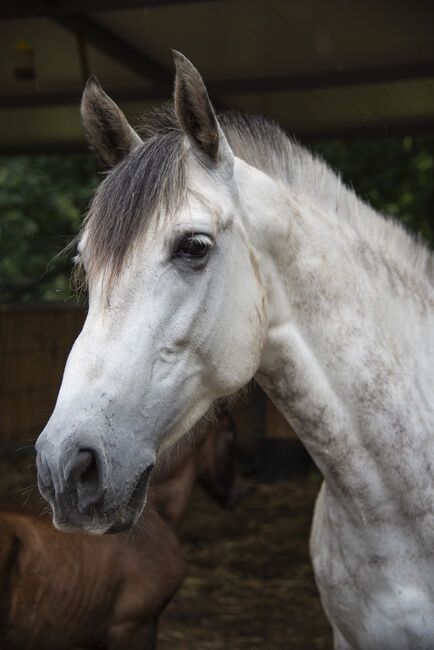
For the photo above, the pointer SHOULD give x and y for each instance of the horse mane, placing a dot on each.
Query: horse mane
(264, 145)
(151, 181)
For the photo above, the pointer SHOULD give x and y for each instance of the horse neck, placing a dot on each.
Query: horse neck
(172, 488)
(334, 361)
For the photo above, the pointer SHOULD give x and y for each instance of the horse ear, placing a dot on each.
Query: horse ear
(107, 128)
(195, 113)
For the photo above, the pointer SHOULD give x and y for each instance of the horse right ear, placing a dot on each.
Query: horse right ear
(196, 115)
(107, 128)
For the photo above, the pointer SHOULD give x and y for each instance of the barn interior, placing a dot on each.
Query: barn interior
(341, 70)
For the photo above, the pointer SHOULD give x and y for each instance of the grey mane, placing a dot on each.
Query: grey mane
(151, 182)
(264, 145)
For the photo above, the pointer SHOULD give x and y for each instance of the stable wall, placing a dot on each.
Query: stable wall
(34, 345)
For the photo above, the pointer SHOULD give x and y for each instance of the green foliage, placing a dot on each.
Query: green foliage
(43, 198)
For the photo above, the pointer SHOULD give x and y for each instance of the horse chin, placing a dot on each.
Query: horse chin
(131, 511)
(122, 525)
(128, 518)
(74, 525)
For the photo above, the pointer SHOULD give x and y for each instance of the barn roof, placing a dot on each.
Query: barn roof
(318, 68)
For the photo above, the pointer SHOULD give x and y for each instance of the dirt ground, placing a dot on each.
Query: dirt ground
(249, 582)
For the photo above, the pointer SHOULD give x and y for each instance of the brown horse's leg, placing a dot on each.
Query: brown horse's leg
(138, 636)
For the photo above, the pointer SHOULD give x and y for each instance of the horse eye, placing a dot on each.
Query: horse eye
(193, 246)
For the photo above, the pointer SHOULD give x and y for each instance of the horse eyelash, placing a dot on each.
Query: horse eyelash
(203, 239)
(200, 238)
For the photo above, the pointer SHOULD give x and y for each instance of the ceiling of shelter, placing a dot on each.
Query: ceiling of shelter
(317, 67)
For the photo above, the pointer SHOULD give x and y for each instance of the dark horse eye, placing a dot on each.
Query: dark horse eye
(194, 246)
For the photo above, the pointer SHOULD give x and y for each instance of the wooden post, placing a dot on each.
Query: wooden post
(275, 424)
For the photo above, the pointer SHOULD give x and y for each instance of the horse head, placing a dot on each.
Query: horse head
(177, 312)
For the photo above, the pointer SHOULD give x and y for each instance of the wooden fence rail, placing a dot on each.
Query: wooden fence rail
(34, 345)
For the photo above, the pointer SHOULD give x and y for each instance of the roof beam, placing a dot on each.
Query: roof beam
(68, 98)
(11, 9)
(323, 79)
(118, 49)
(254, 85)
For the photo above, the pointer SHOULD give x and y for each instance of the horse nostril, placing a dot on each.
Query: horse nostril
(77, 466)
(85, 473)
(89, 469)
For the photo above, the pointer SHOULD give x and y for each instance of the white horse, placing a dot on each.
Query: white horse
(217, 250)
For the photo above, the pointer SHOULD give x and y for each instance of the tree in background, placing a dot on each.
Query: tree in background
(395, 174)
(43, 199)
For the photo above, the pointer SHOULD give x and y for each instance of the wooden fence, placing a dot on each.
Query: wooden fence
(34, 345)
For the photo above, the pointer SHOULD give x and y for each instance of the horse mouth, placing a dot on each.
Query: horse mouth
(132, 510)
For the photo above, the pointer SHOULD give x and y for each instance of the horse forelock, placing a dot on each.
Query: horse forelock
(145, 186)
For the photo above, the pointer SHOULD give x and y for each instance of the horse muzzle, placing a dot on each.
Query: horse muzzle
(88, 491)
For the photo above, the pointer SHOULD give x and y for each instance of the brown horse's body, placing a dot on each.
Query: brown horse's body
(65, 591)
(62, 591)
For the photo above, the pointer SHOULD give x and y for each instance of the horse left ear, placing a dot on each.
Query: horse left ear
(196, 115)
(107, 128)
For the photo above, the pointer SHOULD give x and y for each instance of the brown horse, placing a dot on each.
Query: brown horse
(62, 591)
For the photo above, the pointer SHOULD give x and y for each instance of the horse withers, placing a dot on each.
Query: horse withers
(217, 250)
(61, 591)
